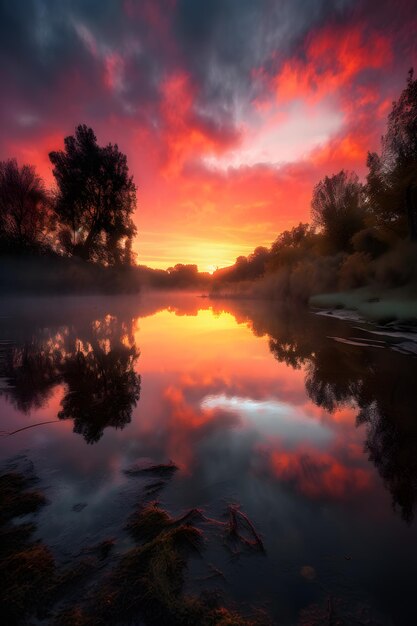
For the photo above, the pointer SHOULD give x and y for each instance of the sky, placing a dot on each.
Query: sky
(229, 111)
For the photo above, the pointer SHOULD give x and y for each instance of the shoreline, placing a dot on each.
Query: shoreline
(390, 307)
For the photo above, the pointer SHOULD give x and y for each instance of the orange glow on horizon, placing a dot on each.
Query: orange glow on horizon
(214, 182)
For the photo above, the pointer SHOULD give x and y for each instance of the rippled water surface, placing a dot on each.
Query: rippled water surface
(305, 424)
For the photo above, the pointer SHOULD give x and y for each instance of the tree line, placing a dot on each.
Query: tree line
(89, 213)
(88, 216)
(354, 222)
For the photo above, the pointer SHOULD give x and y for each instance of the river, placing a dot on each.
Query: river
(303, 425)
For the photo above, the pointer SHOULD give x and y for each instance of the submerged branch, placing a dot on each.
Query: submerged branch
(5, 433)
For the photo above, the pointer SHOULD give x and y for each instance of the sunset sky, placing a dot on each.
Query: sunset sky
(229, 111)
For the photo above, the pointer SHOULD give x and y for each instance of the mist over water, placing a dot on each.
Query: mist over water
(304, 422)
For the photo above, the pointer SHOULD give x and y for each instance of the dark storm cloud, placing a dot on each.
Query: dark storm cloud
(54, 55)
(225, 40)
(53, 61)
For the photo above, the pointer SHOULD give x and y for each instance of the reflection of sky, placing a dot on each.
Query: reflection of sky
(273, 417)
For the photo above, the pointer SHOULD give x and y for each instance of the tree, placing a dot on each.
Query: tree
(25, 210)
(294, 238)
(95, 199)
(96, 364)
(102, 389)
(337, 209)
(291, 246)
(392, 178)
(257, 262)
(183, 275)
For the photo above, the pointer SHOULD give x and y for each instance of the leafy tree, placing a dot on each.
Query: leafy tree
(291, 246)
(392, 178)
(240, 268)
(96, 198)
(337, 209)
(25, 210)
(294, 238)
(257, 262)
(96, 363)
(102, 389)
(183, 275)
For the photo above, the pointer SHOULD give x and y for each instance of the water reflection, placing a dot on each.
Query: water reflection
(142, 584)
(254, 405)
(378, 383)
(94, 362)
(30, 371)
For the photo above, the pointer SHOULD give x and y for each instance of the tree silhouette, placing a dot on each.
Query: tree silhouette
(380, 386)
(337, 209)
(26, 218)
(102, 388)
(291, 246)
(95, 200)
(183, 275)
(96, 365)
(31, 370)
(392, 178)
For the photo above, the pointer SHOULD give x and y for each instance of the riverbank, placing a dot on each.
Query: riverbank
(382, 307)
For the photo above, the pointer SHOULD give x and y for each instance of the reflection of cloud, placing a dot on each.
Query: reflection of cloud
(288, 421)
(188, 424)
(318, 475)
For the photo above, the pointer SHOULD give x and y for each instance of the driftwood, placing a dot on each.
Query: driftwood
(160, 469)
(236, 515)
(236, 519)
(5, 433)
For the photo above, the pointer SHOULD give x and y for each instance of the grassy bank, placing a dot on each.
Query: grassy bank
(382, 307)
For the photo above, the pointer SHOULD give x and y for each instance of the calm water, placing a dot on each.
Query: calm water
(315, 438)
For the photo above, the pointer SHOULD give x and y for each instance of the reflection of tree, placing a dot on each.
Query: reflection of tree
(335, 375)
(31, 370)
(388, 409)
(381, 383)
(102, 388)
(94, 362)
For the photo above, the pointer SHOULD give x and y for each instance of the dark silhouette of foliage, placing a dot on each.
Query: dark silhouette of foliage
(96, 365)
(27, 566)
(245, 268)
(257, 262)
(26, 219)
(392, 178)
(183, 275)
(95, 200)
(382, 389)
(354, 239)
(337, 209)
(31, 371)
(102, 389)
(294, 238)
(291, 246)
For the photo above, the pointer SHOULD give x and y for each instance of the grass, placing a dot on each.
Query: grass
(148, 581)
(26, 567)
(15, 500)
(379, 307)
(145, 585)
